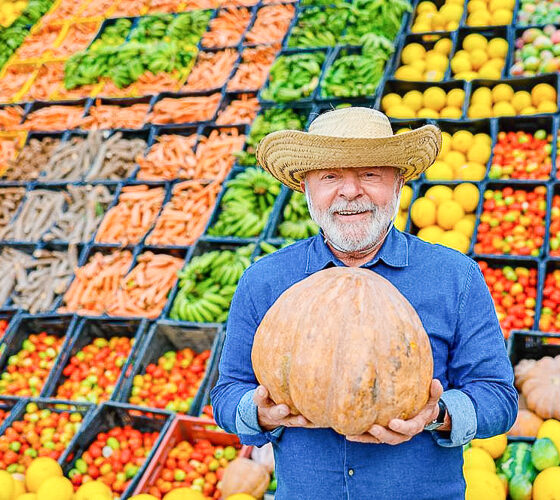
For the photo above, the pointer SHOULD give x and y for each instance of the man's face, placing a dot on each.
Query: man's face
(353, 206)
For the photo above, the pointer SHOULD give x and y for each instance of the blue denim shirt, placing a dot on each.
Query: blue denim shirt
(452, 300)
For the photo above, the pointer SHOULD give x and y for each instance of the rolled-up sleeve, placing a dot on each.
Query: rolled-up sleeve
(478, 363)
(236, 376)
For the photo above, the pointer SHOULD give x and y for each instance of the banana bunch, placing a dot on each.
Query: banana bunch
(207, 285)
(318, 27)
(268, 248)
(34, 11)
(10, 39)
(246, 204)
(113, 35)
(270, 120)
(151, 28)
(297, 224)
(189, 26)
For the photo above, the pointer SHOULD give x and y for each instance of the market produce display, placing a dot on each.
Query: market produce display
(130, 191)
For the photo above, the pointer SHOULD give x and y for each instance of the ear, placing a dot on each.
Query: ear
(302, 185)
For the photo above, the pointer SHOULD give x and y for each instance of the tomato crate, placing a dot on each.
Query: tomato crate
(35, 405)
(61, 327)
(165, 337)
(8, 406)
(89, 330)
(190, 429)
(108, 416)
(7, 319)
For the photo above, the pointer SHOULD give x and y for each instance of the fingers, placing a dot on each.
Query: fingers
(387, 436)
(363, 438)
(408, 427)
(436, 390)
(261, 398)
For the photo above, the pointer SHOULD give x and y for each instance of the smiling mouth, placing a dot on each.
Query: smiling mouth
(353, 212)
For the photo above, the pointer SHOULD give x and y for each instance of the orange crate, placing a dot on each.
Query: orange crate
(191, 429)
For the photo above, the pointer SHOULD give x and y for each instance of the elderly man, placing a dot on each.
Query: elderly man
(351, 168)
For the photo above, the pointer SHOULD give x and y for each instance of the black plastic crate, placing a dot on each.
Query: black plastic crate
(168, 336)
(532, 345)
(9, 405)
(89, 329)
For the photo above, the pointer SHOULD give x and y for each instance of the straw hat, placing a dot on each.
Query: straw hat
(348, 137)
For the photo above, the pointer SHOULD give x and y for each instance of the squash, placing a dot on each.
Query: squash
(245, 476)
(516, 460)
(346, 350)
(526, 424)
(540, 385)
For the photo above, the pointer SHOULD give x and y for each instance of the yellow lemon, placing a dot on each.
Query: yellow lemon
(439, 171)
(39, 471)
(419, 65)
(483, 485)
(449, 212)
(478, 111)
(7, 486)
(55, 488)
(521, 100)
(543, 92)
(427, 113)
(529, 110)
(445, 144)
(495, 445)
(465, 226)
(390, 100)
(460, 65)
(489, 72)
(19, 485)
(27, 496)
(420, 27)
(443, 46)
(426, 7)
(496, 63)
(545, 486)
(466, 75)
(406, 197)
(462, 140)
(434, 98)
(400, 111)
(497, 47)
(413, 100)
(400, 221)
(471, 171)
(478, 58)
(144, 496)
(455, 98)
(470, 218)
(479, 18)
(547, 107)
(474, 41)
(501, 4)
(438, 22)
(452, 12)
(482, 95)
(438, 194)
(239, 496)
(501, 17)
(403, 130)
(430, 234)
(484, 138)
(480, 153)
(456, 240)
(550, 429)
(184, 494)
(436, 61)
(462, 53)
(412, 52)
(451, 112)
(475, 5)
(408, 73)
(455, 159)
(477, 458)
(93, 490)
(452, 26)
(503, 109)
(502, 92)
(433, 75)
(423, 212)
(467, 195)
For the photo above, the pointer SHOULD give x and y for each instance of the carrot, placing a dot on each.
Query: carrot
(184, 218)
(97, 8)
(172, 157)
(10, 117)
(148, 83)
(227, 28)
(201, 4)
(15, 77)
(131, 8)
(95, 284)
(132, 217)
(239, 3)
(271, 24)
(168, 6)
(63, 94)
(57, 117)
(78, 38)
(48, 79)
(103, 116)
(242, 110)
(9, 148)
(185, 109)
(211, 70)
(36, 45)
(214, 154)
(253, 70)
(111, 90)
(143, 291)
(66, 9)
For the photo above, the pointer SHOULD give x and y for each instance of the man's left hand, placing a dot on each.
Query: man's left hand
(398, 431)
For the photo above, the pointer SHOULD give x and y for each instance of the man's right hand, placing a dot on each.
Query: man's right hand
(271, 415)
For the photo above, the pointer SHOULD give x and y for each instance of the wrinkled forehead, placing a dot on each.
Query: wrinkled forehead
(387, 170)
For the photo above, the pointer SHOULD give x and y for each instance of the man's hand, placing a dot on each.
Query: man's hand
(271, 415)
(399, 431)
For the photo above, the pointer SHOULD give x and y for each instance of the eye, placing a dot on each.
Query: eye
(328, 176)
(371, 175)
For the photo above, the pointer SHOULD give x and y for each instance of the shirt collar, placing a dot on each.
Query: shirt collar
(393, 252)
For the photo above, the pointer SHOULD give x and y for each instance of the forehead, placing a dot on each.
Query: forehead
(354, 170)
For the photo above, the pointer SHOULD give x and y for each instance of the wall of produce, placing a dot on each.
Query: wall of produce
(131, 204)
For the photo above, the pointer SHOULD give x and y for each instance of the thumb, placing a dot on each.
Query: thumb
(436, 390)
(261, 397)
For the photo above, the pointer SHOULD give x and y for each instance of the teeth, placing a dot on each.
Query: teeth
(349, 213)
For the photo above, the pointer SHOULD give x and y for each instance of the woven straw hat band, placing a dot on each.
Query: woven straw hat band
(363, 123)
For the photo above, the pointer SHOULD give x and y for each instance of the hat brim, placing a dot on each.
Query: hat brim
(289, 154)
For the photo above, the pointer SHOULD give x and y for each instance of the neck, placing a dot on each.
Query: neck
(359, 257)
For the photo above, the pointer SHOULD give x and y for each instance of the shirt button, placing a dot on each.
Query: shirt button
(350, 472)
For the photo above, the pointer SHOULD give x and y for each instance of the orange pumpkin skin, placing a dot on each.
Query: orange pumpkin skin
(245, 476)
(345, 349)
(526, 424)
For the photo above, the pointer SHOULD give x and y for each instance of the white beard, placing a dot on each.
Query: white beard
(354, 236)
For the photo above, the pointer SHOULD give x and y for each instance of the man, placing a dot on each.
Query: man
(352, 168)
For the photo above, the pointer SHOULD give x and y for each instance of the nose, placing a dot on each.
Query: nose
(350, 188)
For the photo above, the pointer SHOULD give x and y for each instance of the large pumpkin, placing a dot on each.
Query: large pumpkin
(345, 349)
